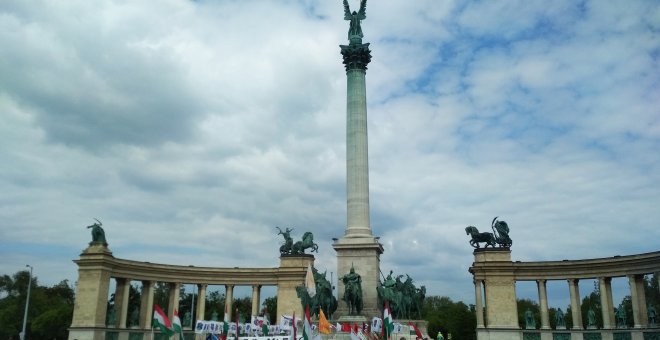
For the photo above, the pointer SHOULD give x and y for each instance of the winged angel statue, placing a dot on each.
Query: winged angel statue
(355, 30)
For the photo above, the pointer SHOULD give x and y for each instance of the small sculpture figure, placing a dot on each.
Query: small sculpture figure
(98, 235)
(355, 29)
(288, 241)
(559, 318)
(620, 314)
(653, 316)
(214, 315)
(187, 319)
(501, 233)
(111, 318)
(591, 319)
(134, 320)
(353, 291)
(530, 323)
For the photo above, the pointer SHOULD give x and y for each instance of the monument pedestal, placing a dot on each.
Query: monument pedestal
(363, 254)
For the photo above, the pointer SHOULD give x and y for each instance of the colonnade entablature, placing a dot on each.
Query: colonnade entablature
(495, 276)
(97, 267)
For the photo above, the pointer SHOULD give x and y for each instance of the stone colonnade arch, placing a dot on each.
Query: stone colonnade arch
(97, 266)
(495, 275)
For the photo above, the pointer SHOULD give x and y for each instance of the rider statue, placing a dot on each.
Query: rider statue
(353, 290)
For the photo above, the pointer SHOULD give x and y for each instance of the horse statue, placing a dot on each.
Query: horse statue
(478, 237)
(307, 242)
(288, 241)
(98, 235)
(352, 291)
(324, 299)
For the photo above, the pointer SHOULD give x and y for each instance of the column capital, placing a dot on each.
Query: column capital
(356, 56)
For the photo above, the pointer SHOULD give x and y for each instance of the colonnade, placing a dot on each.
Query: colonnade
(122, 292)
(97, 267)
(495, 276)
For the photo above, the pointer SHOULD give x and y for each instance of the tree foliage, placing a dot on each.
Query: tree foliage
(449, 317)
(49, 313)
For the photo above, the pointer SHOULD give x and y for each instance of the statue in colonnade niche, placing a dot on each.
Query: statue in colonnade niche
(530, 323)
(591, 318)
(620, 315)
(653, 316)
(560, 321)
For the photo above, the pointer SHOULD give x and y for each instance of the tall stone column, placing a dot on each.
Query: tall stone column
(605, 285)
(255, 299)
(478, 304)
(175, 291)
(229, 302)
(146, 304)
(576, 311)
(122, 292)
(640, 315)
(358, 248)
(201, 301)
(543, 300)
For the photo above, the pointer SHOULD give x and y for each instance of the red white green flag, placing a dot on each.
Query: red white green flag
(176, 324)
(162, 322)
(307, 325)
(388, 323)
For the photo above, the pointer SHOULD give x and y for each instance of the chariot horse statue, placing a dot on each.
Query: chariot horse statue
(306, 243)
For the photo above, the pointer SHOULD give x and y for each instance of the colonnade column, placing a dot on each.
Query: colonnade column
(605, 286)
(479, 304)
(146, 304)
(229, 299)
(640, 315)
(201, 301)
(122, 292)
(256, 289)
(576, 311)
(543, 300)
(173, 304)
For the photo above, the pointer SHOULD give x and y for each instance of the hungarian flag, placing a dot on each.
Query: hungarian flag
(161, 321)
(237, 329)
(294, 326)
(307, 325)
(176, 324)
(418, 333)
(388, 323)
(225, 330)
(324, 325)
(265, 322)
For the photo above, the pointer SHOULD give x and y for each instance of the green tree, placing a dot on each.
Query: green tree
(244, 308)
(215, 302)
(270, 304)
(592, 301)
(449, 317)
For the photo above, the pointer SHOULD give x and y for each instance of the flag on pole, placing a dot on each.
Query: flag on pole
(307, 325)
(176, 324)
(226, 317)
(309, 281)
(225, 330)
(388, 323)
(354, 332)
(294, 325)
(265, 322)
(324, 325)
(418, 333)
(161, 321)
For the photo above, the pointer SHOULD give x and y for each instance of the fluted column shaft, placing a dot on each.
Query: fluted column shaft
(201, 301)
(255, 299)
(605, 285)
(146, 304)
(121, 301)
(640, 315)
(175, 291)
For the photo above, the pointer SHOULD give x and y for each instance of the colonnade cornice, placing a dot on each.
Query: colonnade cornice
(147, 271)
(616, 266)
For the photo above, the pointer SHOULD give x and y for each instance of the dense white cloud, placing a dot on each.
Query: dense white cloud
(193, 129)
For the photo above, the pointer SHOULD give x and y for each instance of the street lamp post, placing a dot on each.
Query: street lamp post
(27, 303)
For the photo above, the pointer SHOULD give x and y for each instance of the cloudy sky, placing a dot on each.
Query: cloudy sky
(193, 128)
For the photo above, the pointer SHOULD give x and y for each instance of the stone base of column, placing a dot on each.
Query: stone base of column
(86, 333)
(498, 334)
(363, 254)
